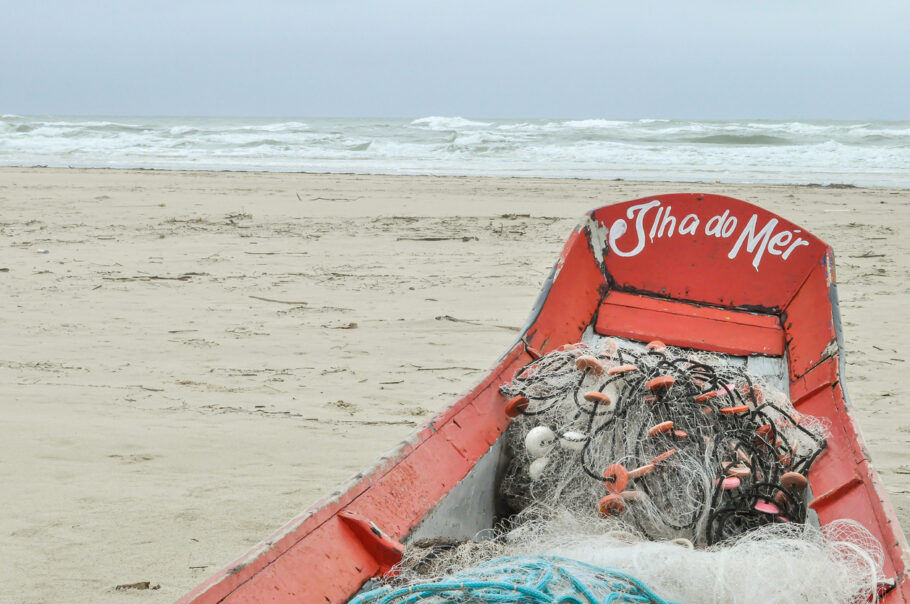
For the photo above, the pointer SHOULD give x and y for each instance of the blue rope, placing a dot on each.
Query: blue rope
(524, 579)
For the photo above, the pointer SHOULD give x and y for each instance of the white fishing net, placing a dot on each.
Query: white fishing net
(785, 562)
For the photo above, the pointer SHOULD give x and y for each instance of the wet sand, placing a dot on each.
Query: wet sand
(198, 356)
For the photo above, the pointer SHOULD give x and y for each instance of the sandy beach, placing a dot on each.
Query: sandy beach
(189, 359)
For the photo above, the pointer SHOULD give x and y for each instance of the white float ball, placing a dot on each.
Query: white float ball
(537, 467)
(539, 441)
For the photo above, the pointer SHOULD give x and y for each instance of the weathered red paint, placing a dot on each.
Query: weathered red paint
(684, 290)
(573, 297)
(809, 325)
(384, 550)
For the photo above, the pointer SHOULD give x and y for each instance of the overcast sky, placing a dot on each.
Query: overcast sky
(489, 58)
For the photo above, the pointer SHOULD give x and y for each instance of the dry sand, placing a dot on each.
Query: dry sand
(199, 356)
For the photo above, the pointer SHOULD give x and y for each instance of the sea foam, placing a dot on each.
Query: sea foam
(854, 152)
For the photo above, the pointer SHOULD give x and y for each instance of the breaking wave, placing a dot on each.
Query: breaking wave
(446, 123)
(854, 152)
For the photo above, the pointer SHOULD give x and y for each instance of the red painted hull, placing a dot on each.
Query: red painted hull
(699, 271)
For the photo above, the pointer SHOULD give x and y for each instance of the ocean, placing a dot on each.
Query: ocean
(862, 153)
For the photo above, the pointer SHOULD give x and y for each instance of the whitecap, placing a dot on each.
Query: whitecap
(435, 122)
(595, 123)
(285, 126)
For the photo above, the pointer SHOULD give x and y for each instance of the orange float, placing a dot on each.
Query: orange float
(734, 410)
(794, 481)
(656, 346)
(598, 397)
(642, 471)
(586, 361)
(516, 405)
(660, 384)
(575, 346)
(616, 478)
(663, 457)
(660, 428)
(611, 505)
(707, 396)
(738, 471)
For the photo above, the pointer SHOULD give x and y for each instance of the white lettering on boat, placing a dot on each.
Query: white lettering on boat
(757, 239)
(619, 228)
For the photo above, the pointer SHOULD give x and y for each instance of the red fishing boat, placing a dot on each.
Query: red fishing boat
(696, 271)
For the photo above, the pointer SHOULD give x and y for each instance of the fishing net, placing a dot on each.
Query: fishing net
(680, 445)
(641, 473)
(774, 563)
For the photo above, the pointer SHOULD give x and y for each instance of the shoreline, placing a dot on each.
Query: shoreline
(830, 186)
(201, 355)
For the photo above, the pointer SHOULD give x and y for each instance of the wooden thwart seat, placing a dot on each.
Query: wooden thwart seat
(646, 318)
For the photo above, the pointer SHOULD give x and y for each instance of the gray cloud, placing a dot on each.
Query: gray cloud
(697, 59)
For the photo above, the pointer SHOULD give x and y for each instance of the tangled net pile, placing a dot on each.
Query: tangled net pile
(636, 472)
(681, 446)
